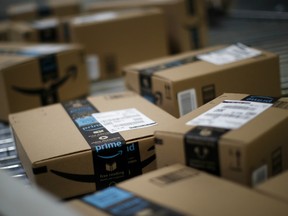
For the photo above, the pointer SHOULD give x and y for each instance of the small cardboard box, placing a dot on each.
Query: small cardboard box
(33, 11)
(40, 74)
(4, 30)
(45, 30)
(117, 38)
(183, 82)
(275, 187)
(177, 15)
(178, 190)
(74, 154)
(239, 137)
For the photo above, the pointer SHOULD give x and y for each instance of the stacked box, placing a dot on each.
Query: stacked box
(33, 11)
(275, 187)
(180, 19)
(118, 38)
(86, 145)
(44, 30)
(178, 190)
(239, 137)
(37, 75)
(180, 83)
(4, 30)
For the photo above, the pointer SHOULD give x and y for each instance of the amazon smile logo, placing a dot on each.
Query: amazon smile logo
(49, 94)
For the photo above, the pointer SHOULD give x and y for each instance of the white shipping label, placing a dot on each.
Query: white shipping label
(230, 54)
(93, 67)
(187, 101)
(230, 114)
(44, 49)
(122, 120)
(103, 16)
(259, 175)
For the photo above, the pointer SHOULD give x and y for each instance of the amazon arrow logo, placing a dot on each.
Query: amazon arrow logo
(48, 95)
(120, 152)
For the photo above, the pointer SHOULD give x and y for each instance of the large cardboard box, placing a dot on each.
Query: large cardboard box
(40, 74)
(29, 11)
(180, 15)
(45, 30)
(275, 187)
(178, 190)
(183, 82)
(239, 137)
(68, 152)
(117, 38)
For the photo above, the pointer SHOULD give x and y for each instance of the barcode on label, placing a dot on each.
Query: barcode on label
(187, 101)
(259, 175)
(174, 176)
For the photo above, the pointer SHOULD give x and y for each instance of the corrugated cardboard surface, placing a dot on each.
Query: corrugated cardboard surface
(193, 193)
(123, 38)
(256, 143)
(275, 187)
(26, 73)
(47, 137)
(259, 75)
(184, 20)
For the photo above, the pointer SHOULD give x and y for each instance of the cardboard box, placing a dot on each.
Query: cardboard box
(34, 75)
(239, 137)
(4, 30)
(73, 154)
(117, 38)
(178, 17)
(178, 190)
(275, 187)
(33, 11)
(45, 30)
(180, 83)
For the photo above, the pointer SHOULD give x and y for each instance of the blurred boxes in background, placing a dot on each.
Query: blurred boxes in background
(185, 20)
(75, 152)
(239, 137)
(180, 83)
(117, 38)
(276, 187)
(178, 190)
(34, 75)
(4, 31)
(44, 31)
(42, 9)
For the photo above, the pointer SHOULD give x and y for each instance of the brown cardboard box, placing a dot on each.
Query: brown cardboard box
(178, 18)
(117, 38)
(4, 30)
(183, 82)
(244, 141)
(33, 75)
(178, 190)
(275, 187)
(58, 150)
(44, 30)
(32, 11)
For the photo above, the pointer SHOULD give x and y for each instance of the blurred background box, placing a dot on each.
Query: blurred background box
(181, 18)
(41, 9)
(34, 75)
(117, 38)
